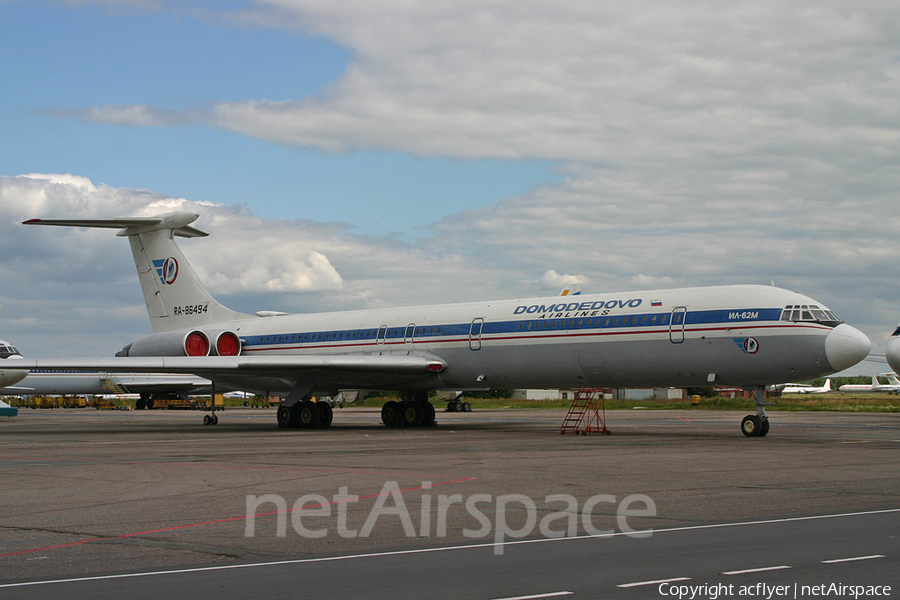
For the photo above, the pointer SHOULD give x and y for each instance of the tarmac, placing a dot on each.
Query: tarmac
(86, 492)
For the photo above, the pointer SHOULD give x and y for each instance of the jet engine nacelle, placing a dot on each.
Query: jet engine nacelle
(185, 343)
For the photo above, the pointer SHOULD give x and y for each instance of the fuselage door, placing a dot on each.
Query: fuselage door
(475, 334)
(382, 334)
(410, 333)
(676, 325)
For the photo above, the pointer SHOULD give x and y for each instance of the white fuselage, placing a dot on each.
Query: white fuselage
(728, 335)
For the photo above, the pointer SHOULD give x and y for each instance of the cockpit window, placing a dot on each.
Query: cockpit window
(809, 313)
(7, 351)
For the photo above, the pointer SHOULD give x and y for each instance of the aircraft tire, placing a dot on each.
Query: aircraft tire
(751, 426)
(326, 415)
(763, 427)
(309, 414)
(466, 407)
(284, 417)
(451, 406)
(429, 420)
(390, 413)
(413, 414)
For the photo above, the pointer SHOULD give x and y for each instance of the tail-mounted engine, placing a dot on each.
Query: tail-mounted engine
(181, 343)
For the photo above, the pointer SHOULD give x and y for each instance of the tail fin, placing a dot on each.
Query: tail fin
(174, 295)
(827, 384)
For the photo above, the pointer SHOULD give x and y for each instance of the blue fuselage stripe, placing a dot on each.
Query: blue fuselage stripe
(569, 322)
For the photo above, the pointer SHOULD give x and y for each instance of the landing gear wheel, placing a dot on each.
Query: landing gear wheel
(413, 414)
(466, 407)
(751, 425)
(214, 420)
(390, 413)
(309, 414)
(326, 415)
(764, 427)
(451, 406)
(429, 420)
(206, 420)
(284, 416)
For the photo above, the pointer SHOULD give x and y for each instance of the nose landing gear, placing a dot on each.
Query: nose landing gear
(757, 425)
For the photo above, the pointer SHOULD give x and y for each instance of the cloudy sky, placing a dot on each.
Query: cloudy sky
(382, 152)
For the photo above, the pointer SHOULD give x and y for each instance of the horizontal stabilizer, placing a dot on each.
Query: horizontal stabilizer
(178, 221)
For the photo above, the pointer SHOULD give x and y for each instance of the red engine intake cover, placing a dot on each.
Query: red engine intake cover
(228, 344)
(196, 344)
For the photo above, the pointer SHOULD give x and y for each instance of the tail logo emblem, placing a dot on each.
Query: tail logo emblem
(167, 270)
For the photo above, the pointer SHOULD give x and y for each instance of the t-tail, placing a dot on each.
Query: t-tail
(173, 293)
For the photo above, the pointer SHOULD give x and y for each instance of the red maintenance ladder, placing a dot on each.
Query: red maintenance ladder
(587, 413)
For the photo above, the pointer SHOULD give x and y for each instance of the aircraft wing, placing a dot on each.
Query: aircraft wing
(338, 370)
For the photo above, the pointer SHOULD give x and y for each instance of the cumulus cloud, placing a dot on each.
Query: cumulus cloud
(551, 280)
(700, 143)
(69, 290)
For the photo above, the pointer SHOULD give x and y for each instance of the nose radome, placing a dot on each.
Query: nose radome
(845, 346)
(892, 353)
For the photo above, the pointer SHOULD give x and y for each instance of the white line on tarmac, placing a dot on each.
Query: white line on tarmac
(855, 558)
(759, 570)
(656, 582)
(536, 596)
(445, 549)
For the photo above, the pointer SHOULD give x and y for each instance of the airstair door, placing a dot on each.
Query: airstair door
(676, 325)
(475, 334)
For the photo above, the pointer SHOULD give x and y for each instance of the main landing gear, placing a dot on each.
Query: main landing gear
(757, 425)
(298, 410)
(457, 405)
(413, 411)
(305, 414)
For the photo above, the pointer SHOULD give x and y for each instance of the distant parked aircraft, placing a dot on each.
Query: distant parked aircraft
(799, 388)
(53, 382)
(9, 355)
(877, 387)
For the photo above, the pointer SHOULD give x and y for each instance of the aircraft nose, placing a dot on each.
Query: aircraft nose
(845, 346)
(892, 353)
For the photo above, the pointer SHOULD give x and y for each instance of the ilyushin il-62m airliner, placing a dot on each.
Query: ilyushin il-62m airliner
(740, 335)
